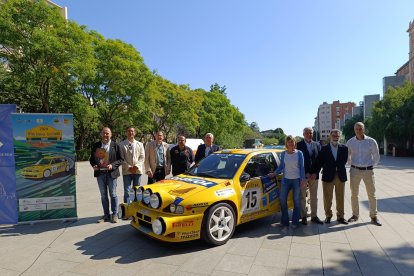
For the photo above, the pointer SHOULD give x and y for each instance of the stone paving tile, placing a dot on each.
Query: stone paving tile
(338, 258)
(306, 251)
(7, 272)
(157, 269)
(259, 270)
(203, 263)
(184, 273)
(226, 273)
(52, 267)
(235, 263)
(271, 258)
(304, 266)
(246, 246)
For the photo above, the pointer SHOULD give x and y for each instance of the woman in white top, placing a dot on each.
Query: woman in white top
(292, 166)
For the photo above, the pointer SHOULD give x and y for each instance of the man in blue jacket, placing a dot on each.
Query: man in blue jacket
(207, 148)
(105, 160)
(332, 160)
(310, 150)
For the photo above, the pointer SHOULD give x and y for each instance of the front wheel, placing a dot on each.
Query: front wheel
(218, 224)
(46, 173)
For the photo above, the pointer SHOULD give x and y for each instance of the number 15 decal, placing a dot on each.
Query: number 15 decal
(251, 200)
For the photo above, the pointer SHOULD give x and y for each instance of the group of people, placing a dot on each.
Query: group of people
(302, 162)
(156, 159)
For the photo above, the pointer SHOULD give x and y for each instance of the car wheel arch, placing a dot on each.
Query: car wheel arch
(229, 202)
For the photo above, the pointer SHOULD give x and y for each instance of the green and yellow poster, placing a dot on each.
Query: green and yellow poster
(45, 166)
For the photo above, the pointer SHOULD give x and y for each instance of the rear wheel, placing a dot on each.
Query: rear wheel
(218, 224)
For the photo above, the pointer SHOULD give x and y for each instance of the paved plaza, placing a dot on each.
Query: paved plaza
(84, 247)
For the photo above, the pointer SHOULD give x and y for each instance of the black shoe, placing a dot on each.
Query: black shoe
(342, 221)
(304, 221)
(353, 218)
(376, 222)
(103, 219)
(328, 219)
(316, 220)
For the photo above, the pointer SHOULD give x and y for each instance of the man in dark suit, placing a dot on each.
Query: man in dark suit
(105, 160)
(310, 150)
(207, 148)
(332, 160)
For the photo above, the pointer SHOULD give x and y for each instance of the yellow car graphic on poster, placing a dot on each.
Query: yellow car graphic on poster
(223, 190)
(46, 167)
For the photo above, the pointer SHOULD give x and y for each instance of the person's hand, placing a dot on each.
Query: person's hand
(95, 168)
(308, 175)
(313, 176)
(303, 183)
(271, 174)
(109, 167)
(149, 173)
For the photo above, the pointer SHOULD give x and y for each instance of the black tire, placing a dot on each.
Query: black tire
(219, 223)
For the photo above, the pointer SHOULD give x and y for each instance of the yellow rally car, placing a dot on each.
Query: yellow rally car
(223, 190)
(46, 167)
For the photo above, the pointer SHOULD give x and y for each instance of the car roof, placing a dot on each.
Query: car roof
(248, 151)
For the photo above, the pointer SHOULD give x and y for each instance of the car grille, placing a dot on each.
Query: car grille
(143, 217)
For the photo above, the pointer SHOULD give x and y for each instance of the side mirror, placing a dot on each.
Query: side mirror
(244, 177)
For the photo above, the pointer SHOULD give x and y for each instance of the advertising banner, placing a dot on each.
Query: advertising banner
(45, 166)
(8, 209)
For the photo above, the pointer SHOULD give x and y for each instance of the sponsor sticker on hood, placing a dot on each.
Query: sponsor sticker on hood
(197, 181)
(225, 192)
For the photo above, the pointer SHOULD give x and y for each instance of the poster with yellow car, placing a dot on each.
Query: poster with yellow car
(45, 166)
(223, 190)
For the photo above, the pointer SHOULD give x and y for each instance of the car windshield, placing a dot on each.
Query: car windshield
(218, 165)
(43, 162)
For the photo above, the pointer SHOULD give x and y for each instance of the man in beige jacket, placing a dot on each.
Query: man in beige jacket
(157, 159)
(133, 154)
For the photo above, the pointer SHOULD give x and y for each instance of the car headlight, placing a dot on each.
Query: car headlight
(146, 196)
(157, 226)
(139, 194)
(172, 207)
(155, 201)
(179, 209)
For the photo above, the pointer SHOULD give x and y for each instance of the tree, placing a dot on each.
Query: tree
(42, 52)
(348, 129)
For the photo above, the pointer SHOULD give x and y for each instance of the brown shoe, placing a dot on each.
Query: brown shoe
(353, 218)
(114, 219)
(375, 221)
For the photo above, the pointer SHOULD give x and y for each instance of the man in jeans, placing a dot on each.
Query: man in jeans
(133, 154)
(363, 157)
(105, 160)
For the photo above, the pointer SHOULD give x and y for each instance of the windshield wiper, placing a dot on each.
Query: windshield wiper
(203, 174)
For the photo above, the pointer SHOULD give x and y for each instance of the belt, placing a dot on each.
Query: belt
(363, 168)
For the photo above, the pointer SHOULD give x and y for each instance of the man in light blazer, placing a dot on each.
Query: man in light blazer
(207, 148)
(133, 154)
(332, 160)
(157, 159)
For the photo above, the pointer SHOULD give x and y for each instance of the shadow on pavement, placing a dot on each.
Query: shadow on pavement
(400, 205)
(127, 245)
(43, 226)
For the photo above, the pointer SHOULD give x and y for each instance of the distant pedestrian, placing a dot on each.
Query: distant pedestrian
(134, 156)
(310, 150)
(363, 157)
(292, 166)
(207, 148)
(332, 160)
(157, 159)
(182, 157)
(105, 159)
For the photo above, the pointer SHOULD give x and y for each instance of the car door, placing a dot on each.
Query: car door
(258, 189)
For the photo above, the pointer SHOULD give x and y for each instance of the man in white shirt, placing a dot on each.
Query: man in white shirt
(134, 155)
(363, 157)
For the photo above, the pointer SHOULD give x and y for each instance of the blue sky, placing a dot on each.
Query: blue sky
(278, 59)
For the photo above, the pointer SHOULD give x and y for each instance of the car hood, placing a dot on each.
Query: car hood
(183, 185)
(35, 167)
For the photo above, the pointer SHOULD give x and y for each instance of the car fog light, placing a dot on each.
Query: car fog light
(139, 194)
(157, 227)
(146, 196)
(155, 201)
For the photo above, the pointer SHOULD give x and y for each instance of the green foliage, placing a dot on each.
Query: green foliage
(270, 141)
(50, 65)
(348, 129)
(393, 117)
